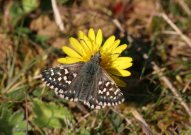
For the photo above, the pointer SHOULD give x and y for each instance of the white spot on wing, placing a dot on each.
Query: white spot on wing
(52, 72)
(111, 89)
(104, 90)
(92, 106)
(66, 71)
(123, 100)
(88, 104)
(116, 91)
(59, 73)
(62, 96)
(69, 82)
(60, 78)
(74, 74)
(100, 92)
(65, 78)
(107, 83)
(100, 82)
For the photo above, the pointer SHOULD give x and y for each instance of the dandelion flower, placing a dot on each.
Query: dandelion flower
(86, 46)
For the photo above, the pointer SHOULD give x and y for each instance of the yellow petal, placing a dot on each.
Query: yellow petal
(85, 41)
(92, 37)
(120, 49)
(99, 38)
(77, 46)
(113, 47)
(91, 34)
(85, 47)
(119, 72)
(68, 60)
(122, 63)
(115, 44)
(118, 81)
(70, 52)
(108, 43)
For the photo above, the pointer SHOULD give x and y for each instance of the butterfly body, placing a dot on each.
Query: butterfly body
(88, 73)
(87, 82)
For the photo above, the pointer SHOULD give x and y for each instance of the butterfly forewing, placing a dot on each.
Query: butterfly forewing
(60, 79)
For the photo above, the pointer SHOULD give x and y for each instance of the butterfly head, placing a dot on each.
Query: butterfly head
(96, 58)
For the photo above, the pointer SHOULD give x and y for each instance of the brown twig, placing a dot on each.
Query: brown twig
(118, 25)
(184, 7)
(139, 118)
(81, 108)
(57, 16)
(171, 87)
(179, 32)
(83, 118)
(186, 86)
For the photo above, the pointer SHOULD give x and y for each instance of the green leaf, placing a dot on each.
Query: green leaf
(12, 123)
(116, 120)
(51, 115)
(29, 5)
(6, 127)
(41, 39)
(19, 9)
(84, 131)
(63, 1)
(22, 31)
(20, 125)
(18, 94)
(16, 12)
(188, 132)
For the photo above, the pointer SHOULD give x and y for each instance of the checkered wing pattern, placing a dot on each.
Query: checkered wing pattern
(60, 78)
(70, 83)
(107, 92)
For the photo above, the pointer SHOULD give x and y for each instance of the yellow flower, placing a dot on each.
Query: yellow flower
(87, 45)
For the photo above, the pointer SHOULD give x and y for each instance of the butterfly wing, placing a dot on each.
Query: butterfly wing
(108, 92)
(67, 82)
(60, 78)
(104, 91)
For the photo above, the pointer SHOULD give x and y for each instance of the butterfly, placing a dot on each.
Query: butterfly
(87, 82)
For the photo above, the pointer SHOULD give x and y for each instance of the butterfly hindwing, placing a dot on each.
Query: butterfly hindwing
(108, 92)
(60, 78)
